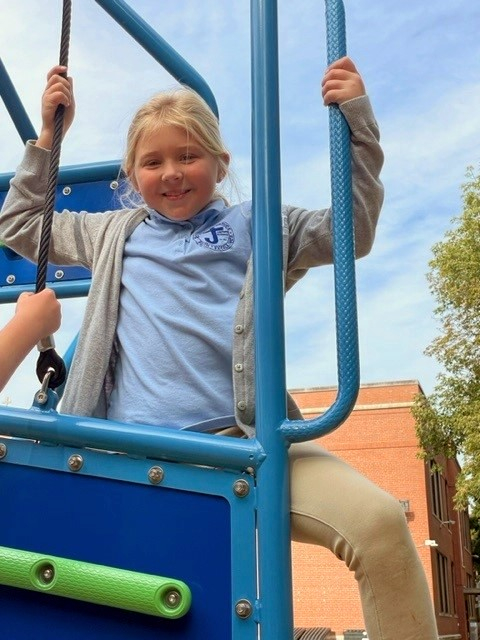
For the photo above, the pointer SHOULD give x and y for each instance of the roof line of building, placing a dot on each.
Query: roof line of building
(364, 385)
(362, 407)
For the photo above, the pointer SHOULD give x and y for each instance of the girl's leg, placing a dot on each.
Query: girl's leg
(338, 508)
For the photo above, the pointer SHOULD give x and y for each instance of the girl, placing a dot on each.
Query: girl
(172, 276)
(36, 317)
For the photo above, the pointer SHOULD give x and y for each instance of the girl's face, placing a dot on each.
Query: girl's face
(174, 174)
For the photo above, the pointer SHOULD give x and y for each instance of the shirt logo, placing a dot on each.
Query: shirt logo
(220, 237)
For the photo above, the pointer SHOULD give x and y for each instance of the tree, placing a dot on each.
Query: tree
(448, 421)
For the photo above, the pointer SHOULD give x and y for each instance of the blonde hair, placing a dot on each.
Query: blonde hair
(180, 107)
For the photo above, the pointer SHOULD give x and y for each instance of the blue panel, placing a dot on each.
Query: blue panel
(119, 524)
(90, 196)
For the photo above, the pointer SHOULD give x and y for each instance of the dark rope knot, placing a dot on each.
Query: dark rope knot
(50, 361)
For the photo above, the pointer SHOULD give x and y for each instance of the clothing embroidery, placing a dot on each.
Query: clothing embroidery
(220, 237)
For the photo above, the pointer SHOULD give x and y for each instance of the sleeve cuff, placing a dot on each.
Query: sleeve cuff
(358, 113)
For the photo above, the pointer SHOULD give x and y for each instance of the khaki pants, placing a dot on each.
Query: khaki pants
(334, 506)
(338, 508)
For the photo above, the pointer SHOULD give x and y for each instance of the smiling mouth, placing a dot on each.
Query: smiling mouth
(176, 195)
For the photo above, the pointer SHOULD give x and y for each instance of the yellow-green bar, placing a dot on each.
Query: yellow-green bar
(140, 592)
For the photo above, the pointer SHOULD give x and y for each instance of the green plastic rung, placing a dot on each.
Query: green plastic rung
(140, 592)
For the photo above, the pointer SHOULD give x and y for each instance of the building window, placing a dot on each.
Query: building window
(452, 593)
(446, 600)
(438, 486)
(465, 530)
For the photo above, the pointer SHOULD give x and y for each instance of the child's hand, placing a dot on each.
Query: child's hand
(41, 312)
(59, 90)
(342, 82)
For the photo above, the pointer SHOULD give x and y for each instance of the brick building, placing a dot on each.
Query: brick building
(379, 440)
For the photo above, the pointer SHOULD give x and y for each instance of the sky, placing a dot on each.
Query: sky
(420, 61)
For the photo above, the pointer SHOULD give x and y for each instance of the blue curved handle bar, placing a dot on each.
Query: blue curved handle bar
(160, 50)
(348, 368)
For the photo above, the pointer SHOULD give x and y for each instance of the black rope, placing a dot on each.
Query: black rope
(54, 161)
(49, 359)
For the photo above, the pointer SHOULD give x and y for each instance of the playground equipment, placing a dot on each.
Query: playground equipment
(171, 536)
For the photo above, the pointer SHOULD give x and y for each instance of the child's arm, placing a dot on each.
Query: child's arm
(310, 232)
(36, 316)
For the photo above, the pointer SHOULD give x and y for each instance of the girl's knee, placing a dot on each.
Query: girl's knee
(388, 509)
(386, 519)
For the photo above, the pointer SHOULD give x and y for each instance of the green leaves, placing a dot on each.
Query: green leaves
(448, 421)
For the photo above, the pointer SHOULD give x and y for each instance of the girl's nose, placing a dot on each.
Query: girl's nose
(172, 171)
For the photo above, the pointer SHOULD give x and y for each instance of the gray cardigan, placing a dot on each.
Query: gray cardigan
(96, 241)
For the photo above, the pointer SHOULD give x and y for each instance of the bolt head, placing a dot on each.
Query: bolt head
(75, 462)
(243, 609)
(156, 475)
(172, 599)
(241, 488)
(47, 574)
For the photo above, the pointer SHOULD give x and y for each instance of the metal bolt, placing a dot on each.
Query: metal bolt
(156, 475)
(173, 598)
(243, 609)
(59, 274)
(41, 397)
(47, 574)
(3, 450)
(241, 488)
(66, 191)
(10, 279)
(75, 462)
(114, 185)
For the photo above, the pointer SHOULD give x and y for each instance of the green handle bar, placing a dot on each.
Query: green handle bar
(140, 592)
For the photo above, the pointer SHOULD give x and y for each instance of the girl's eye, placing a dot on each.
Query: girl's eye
(188, 157)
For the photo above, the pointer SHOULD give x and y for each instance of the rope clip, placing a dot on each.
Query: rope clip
(42, 394)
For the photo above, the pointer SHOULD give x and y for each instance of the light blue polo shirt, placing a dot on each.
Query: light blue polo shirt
(179, 292)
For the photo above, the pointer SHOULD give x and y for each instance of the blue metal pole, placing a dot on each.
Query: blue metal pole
(15, 107)
(148, 441)
(76, 173)
(273, 490)
(158, 48)
(69, 289)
